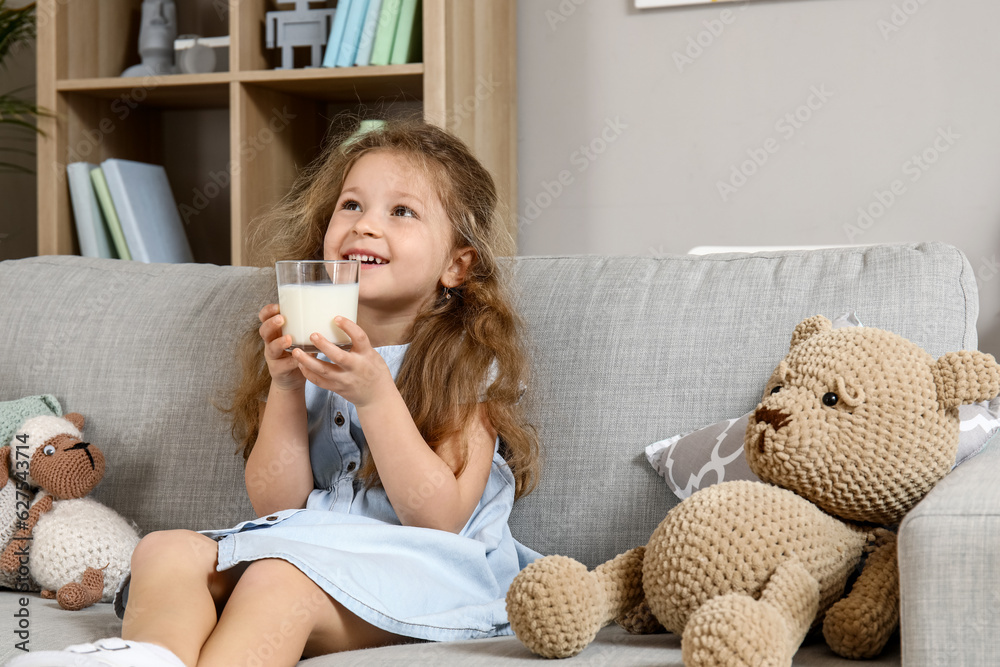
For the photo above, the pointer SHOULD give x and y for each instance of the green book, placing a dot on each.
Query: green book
(386, 32)
(108, 207)
(406, 46)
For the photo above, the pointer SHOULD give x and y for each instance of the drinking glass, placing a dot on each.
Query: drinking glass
(311, 293)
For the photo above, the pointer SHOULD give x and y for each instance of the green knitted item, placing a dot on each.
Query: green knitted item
(15, 413)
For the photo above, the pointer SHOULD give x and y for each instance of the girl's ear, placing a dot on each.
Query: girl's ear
(461, 260)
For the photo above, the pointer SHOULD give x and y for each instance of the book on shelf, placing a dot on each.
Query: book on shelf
(336, 33)
(91, 230)
(387, 22)
(406, 46)
(110, 215)
(147, 211)
(368, 33)
(352, 33)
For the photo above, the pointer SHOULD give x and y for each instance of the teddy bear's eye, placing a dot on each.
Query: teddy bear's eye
(830, 399)
(775, 390)
(49, 450)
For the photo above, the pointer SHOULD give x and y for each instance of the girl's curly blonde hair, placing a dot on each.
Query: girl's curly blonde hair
(454, 342)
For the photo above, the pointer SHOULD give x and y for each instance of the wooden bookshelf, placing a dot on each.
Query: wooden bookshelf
(232, 142)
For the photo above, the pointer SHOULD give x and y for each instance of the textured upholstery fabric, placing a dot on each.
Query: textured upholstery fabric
(949, 555)
(625, 349)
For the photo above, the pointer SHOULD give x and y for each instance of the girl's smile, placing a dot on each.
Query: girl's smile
(390, 217)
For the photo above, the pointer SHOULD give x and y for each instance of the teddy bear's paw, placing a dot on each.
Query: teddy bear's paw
(640, 620)
(76, 596)
(737, 631)
(851, 631)
(554, 607)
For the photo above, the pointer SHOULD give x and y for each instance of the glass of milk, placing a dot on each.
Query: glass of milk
(313, 292)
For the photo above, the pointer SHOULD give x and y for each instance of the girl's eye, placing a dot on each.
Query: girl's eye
(351, 205)
(404, 211)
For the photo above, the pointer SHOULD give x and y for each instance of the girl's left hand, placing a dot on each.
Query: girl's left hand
(359, 375)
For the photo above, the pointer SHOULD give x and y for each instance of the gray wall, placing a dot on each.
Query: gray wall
(870, 90)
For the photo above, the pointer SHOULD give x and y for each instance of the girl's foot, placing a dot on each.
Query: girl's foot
(110, 652)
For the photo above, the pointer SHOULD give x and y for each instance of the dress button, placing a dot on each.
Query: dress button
(351, 466)
(272, 517)
(339, 419)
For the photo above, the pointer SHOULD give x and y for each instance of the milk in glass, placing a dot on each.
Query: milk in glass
(310, 308)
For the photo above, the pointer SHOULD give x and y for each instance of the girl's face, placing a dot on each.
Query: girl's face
(390, 216)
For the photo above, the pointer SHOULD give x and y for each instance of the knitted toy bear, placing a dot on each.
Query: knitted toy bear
(16, 497)
(855, 427)
(75, 548)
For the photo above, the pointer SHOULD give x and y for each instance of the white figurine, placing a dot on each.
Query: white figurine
(298, 27)
(156, 39)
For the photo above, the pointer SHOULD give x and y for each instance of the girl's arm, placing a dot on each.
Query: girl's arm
(278, 473)
(420, 483)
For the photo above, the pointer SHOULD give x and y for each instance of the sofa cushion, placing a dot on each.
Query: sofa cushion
(626, 349)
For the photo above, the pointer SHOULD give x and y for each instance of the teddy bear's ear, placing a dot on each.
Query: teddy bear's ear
(966, 376)
(809, 328)
(75, 418)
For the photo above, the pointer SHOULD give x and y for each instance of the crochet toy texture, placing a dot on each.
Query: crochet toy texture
(856, 425)
(76, 549)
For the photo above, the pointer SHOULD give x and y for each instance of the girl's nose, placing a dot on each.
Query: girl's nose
(366, 225)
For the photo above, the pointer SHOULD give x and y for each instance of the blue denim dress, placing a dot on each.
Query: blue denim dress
(418, 582)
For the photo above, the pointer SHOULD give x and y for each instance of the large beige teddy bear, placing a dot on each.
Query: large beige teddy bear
(855, 427)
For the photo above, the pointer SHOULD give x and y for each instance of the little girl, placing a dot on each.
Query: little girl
(383, 476)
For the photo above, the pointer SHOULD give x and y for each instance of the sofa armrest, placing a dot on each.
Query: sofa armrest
(949, 554)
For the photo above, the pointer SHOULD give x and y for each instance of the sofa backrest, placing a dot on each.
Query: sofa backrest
(625, 350)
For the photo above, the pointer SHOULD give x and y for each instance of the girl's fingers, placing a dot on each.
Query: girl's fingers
(333, 352)
(271, 328)
(267, 312)
(359, 339)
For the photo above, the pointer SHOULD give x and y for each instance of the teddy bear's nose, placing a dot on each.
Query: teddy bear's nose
(84, 446)
(776, 418)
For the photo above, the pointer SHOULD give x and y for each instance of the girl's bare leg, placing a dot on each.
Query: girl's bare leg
(175, 592)
(276, 614)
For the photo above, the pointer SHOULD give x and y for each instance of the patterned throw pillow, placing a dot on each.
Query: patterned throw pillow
(714, 454)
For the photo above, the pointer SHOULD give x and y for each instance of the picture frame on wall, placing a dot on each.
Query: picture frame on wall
(650, 4)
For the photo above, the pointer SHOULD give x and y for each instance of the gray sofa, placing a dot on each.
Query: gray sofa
(626, 351)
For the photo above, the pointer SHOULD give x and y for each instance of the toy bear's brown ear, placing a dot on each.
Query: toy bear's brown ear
(75, 418)
(966, 376)
(809, 328)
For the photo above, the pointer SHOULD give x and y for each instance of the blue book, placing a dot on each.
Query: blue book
(352, 33)
(337, 33)
(368, 33)
(91, 230)
(147, 211)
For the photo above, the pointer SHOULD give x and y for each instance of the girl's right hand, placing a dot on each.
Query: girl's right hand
(283, 368)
